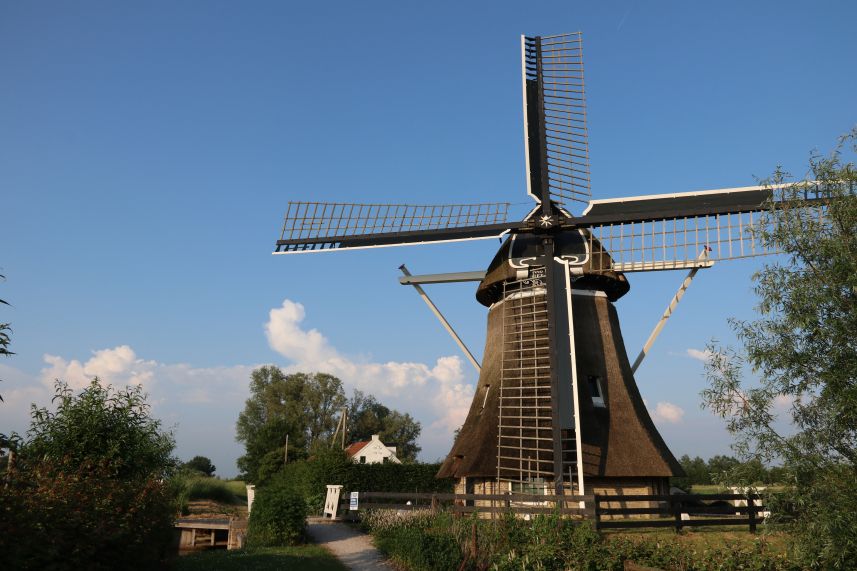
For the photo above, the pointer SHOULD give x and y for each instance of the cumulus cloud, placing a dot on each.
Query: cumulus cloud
(667, 412)
(437, 393)
(202, 403)
(703, 356)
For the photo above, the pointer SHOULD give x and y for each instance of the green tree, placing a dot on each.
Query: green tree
(720, 467)
(696, 472)
(802, 349)
(89, 489)
(201, 464)
(302, 406)
(367, 416)
(101, 423)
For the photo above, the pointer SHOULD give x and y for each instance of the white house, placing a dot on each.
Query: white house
(372, 452)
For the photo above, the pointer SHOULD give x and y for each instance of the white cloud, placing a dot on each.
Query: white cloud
(667, 412)
(203, 403)
(703, 356)
(783, 402)
(437, 394)
(119, 365)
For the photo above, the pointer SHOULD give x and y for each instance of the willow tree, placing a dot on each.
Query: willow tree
(799, 406)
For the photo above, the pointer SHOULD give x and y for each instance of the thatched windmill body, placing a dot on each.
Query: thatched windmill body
(556, 406)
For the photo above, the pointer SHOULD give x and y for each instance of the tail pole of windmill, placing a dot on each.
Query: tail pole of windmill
(556, 407)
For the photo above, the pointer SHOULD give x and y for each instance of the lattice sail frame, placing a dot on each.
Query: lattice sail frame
(314, 226)
(677, 243)
(554, 64)
(683, 242)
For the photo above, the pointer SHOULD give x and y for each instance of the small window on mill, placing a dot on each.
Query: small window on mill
(595, 390)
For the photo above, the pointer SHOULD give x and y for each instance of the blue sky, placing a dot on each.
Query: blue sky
(147, 152)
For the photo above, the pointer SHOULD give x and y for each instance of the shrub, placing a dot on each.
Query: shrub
(83, 519)
(421, 541)
(278, 515)
(90, 488)
(310, 478)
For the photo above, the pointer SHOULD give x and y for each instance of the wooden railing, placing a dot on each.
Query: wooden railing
(675, 510)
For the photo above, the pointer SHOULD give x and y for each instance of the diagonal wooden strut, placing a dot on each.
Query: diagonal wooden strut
(669, 310)
(443, 321)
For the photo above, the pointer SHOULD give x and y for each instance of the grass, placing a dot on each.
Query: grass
(712, 537)
(237, 487)
(304, 557)
(222, 491)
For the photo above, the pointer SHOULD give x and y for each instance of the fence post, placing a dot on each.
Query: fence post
(596, 506)
(508, 501)
(434, 503)
(473, 540)
(751, 512)
(675, 506)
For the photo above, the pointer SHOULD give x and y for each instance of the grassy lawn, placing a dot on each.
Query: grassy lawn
(237, 487)
(712, 537)
(309, 557)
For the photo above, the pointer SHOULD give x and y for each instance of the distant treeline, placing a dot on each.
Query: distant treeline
(726, 470)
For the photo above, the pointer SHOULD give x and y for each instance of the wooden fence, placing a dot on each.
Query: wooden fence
(607, 512)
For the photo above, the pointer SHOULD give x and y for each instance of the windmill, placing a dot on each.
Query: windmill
(556, 406)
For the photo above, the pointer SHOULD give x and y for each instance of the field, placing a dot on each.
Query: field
(304, 557)
(711, 538)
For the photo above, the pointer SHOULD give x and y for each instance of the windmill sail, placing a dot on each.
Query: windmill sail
(318, 226)
(685, 230)
(556, 139)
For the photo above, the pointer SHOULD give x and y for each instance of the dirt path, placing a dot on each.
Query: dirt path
(350, 546)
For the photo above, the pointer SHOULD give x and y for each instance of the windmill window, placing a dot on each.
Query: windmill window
(595, 391)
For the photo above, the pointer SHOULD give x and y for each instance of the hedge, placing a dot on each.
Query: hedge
(309, 478)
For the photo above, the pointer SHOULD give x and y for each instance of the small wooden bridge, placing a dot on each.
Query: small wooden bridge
(207, 533)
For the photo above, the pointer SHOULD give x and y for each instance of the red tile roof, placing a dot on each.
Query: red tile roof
(355, 448)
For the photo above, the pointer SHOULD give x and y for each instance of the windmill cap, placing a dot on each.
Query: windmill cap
(522, 250)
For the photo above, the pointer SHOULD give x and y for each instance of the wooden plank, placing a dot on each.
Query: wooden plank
(634, 511)
(520, 510)
(185, 525)
(486, 497)
(717, 521)
(692, 510)
(673, 497)
(632, 523)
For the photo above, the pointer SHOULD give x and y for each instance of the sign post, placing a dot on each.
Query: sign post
(353, 501)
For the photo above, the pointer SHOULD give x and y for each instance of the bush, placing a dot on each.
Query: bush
(278, 515)
(90, 488)
(421, 541)
(310, 478)
(84, 519)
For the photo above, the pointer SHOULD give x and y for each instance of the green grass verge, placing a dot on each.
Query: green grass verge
(223, 491)
(304, 557)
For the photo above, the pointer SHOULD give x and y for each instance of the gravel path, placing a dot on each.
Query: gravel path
(350, 546)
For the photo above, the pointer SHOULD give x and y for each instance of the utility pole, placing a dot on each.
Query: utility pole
(344, 425)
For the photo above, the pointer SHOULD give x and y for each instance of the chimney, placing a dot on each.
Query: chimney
(375, 438)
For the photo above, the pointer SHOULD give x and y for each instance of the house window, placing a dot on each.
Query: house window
(383, 460)
(363, 459)
(534, 486)
(595, 391)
